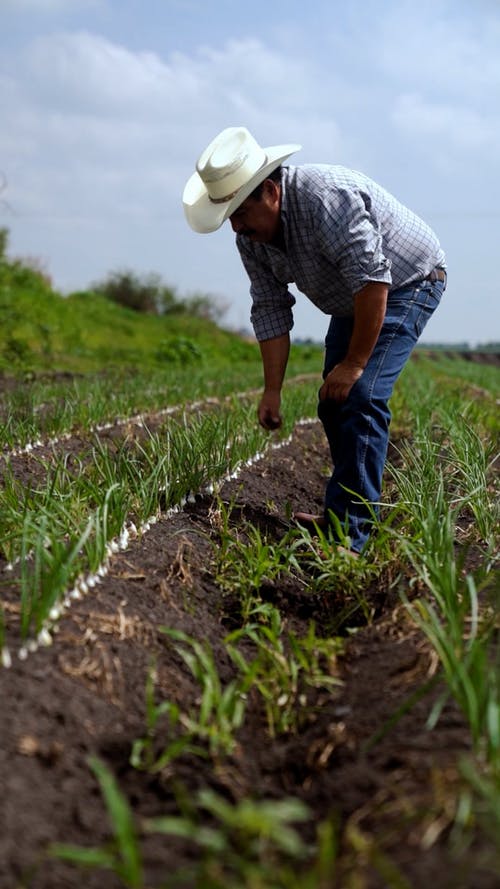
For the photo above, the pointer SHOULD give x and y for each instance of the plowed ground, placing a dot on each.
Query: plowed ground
(85, 695)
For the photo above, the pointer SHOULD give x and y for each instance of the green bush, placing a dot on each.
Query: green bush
(178, 350)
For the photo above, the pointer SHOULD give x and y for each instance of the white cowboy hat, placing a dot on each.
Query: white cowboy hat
(227, 172)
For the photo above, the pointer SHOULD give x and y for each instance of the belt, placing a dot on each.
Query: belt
(437, 274)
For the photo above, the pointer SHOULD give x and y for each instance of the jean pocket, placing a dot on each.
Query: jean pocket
(426, 303)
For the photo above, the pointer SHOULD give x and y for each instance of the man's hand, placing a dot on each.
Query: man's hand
(340, 381)
(268, 411)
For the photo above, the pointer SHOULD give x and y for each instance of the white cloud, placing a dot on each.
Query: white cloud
(439, 47)
(431, 71)
(90, 124)
(98, 138)
(444, 128)
(93, 75)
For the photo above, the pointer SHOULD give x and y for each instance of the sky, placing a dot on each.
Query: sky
(105, 106)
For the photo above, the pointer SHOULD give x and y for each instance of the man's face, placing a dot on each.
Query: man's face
(259, 219)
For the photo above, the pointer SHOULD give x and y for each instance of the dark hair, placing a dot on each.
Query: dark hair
(274, 176)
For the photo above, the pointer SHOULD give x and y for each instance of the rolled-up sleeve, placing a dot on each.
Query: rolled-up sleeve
(349, 236)
(271, 313)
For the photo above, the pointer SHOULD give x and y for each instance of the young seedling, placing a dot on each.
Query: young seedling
(221, 710)
(144, 754)
(122, 855)
(245, 559)
(283, 669)
(252, 844)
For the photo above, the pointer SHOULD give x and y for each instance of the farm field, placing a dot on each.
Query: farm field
(197, 693)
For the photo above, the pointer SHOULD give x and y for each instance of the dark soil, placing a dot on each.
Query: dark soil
(389, 788)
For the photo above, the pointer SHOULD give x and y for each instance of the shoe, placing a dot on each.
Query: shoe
(310, 520)
(338, 550)
(347, 552)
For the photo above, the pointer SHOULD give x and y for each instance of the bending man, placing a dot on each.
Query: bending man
(361, 257)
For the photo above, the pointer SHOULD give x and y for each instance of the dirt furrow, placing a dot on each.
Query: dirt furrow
(85, 696)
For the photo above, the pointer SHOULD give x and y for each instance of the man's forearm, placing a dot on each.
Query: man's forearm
(369, 313)
(275, 354)
(274, 361)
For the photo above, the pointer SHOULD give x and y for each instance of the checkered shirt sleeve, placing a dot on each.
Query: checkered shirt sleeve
(271, 313)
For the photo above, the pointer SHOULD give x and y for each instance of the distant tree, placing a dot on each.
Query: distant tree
(206, 306)
(4, 242)
(142, 294)
(151, 295)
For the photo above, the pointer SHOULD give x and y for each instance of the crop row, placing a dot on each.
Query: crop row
(440, 519)
(57, 532)
(44, 409)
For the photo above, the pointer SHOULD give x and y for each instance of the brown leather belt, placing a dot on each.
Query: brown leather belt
(437, 274)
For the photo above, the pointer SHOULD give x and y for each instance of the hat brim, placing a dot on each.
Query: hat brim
(204, 216)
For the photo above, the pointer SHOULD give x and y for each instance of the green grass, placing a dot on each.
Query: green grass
(87, 333)
(443, 479)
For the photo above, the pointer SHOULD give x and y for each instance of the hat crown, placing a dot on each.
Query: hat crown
(226, 174)
(229, 162)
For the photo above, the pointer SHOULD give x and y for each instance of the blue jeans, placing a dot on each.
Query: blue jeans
(358, 428)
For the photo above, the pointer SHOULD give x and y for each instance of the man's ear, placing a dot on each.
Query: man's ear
(272, 191)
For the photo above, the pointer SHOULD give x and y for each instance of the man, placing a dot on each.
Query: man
(359, 255)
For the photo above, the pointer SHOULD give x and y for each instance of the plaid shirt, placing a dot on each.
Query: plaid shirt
(341, 230)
